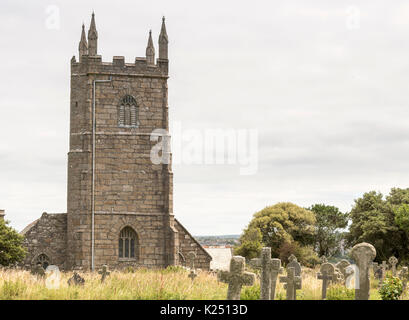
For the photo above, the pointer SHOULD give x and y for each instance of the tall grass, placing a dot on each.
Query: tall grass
(144, 284)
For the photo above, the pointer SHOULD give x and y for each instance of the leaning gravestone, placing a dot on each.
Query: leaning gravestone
(404, 277)
(104, 273)
(393, 261)
(363, 254)
(76, 280)
(291, 283)
(327, 275)
(236, 278)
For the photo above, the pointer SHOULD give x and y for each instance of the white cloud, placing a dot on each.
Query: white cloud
(330, 103)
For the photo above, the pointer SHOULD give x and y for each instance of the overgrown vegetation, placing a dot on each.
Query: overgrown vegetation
(391, 288)
(144, 284)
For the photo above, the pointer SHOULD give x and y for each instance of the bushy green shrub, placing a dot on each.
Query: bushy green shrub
(391, 288)
(340, 292)
(250, 293)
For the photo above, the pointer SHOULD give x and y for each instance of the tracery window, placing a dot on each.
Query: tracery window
(43, 260)
(128, 243)
(128, 112)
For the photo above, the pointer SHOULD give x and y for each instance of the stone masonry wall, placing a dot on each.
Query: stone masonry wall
(187, 243)
(47, 235)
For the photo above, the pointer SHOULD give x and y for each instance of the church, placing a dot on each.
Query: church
(119, 203)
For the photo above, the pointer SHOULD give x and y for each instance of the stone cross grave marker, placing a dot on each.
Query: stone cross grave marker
(297, 269)
(265, 264)
(404, 277)
(191, 257)
(76, 280)
(291, 283)
(276, 269)
(236, 278)
(192, 275)
(326, 274)
(104, 273)
(393, 261)
(270, 268)
(363, 254)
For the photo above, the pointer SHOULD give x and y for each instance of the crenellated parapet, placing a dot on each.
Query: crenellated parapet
(90, 62)
(118, 66)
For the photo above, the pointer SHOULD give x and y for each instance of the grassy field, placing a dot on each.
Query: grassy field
(145, 284)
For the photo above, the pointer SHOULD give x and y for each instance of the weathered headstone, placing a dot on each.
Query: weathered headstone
(263, 263)
(326, 279)
(276, 269)
(384, 267)
(291, 283)
(191, 257)
(293, 263)
(342, 267)
(236, 278)
(404, 277)
(363, 254)
(104, 273)
(393, 261)
(38, 270)
(76, 280)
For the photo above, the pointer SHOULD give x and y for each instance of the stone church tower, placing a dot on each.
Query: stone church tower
(119, 204)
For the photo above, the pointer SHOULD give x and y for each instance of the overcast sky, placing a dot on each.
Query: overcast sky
(324, 83)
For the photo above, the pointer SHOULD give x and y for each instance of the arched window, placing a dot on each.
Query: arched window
(43, 260)
(128, 244)
(128, 112)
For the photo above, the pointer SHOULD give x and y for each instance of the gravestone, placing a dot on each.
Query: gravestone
(363, 254)
(191, 257)
(404, 277)
(324, 259)
(236, 278)
(192, 275)
(393, 261)
(384, 267)
(76, 280)
(38, 270)
(326, 279)
(291, 283)
(293, 263)
(342, 267)
(378, 273)
(276, 269)
(104, 273)
(270, 268)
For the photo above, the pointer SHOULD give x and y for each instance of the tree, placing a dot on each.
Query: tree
(11, 245)
(373, 221)
(282, 223)
(330, 222)
(250, 244)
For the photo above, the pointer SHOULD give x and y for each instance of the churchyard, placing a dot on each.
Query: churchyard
(258, 279)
